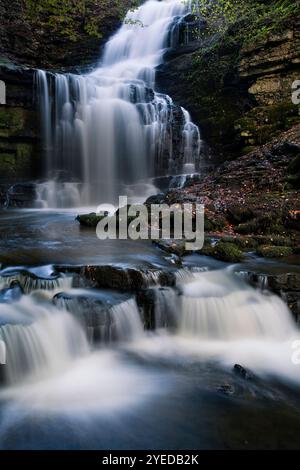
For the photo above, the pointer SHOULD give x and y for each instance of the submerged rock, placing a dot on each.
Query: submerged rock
(12, 293)
(226, 389)
(242, 372)
(21, 195)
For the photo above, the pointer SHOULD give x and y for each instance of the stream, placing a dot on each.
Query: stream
(86, 371)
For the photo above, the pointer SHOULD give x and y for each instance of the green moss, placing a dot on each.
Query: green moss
(16, 122)
(16, 159)
(274, 251)
(228, 252)
(246, 243)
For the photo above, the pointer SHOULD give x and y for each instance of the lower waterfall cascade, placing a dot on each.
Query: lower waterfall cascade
(109, 129)
(207, 312)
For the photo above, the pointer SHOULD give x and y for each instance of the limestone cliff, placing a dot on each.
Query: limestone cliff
(240, 96)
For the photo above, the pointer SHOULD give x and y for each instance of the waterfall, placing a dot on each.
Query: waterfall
(30, 283)
(103, 322)
(108, 129)
(40, 340)
(217, 306)
(166, 311)
(126, 321)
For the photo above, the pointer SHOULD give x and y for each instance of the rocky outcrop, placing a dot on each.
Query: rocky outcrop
(57, 34)
(287, 286)
(19, 125)
(123, 279)
(251, 202)
(239, 96)
(269, 68)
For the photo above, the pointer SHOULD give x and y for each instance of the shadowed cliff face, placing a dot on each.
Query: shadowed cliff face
(239, 96)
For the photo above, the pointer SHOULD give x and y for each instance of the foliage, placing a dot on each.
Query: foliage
(71, 18)
(253, 20)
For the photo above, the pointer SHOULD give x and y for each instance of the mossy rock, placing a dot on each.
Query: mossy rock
(246, 243)
(16, 159)
(17, 122)
(92, 220)
(267, 251)
(89, 220)
(228, 252)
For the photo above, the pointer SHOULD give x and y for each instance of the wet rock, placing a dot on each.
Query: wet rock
(226, 389)
(21, 195)
(242, 372)
(126, 279)
(93, 311)
(174, 247)
(286, 285)
(146, 301)
(159, 307)
(12, 293)
(2, 375)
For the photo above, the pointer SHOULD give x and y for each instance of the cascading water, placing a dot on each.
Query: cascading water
(109, 129)
(103, 322)
(216, 306)
(42, 341)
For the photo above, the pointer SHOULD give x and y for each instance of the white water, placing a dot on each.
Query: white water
(215, 306)
(43, 342)
(214, 317)
(224, 321)
(30, 283)
(110, 129)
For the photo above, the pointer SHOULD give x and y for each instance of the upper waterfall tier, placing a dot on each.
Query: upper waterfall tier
(109, 129)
